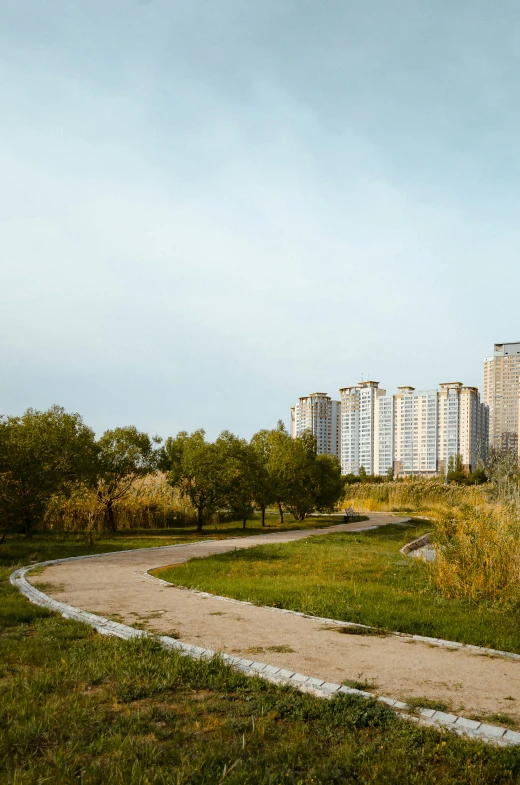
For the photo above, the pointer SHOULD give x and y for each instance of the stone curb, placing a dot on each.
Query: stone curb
(414, 545)
(419, 638)
(471, 728)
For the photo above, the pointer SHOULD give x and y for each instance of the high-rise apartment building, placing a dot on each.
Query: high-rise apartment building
(319, 414)
(415, 432)
(358, 426)
(501, 391)
(462, 425)
(384, 437)
(433, 426)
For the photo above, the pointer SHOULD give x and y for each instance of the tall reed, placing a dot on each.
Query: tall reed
(151, 504)
(420, 495)
(478, 553)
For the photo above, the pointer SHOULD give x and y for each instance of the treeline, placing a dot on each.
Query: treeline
(55, 474)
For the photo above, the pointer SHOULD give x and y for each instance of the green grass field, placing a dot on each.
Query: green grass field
(77, 707)
(81, 708)
(358, 577)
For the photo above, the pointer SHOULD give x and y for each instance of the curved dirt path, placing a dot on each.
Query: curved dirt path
(117, 586)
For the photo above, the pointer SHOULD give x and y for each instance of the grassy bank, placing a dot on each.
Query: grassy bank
(78, 707)
(359, 577)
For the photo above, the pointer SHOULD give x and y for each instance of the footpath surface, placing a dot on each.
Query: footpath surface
(118, 586)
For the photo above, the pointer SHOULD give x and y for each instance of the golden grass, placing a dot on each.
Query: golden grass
(477, 538)
(478, 553)
(151, 504)
(420, 495)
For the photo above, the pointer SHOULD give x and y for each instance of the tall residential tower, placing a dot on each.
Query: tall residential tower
(358, 427)
(319, 414)
(501, 391)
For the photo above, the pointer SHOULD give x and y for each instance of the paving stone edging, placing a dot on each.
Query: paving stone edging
(280, 676)
(414, 545)
(419, 638)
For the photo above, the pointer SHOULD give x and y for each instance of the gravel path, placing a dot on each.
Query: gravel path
(118, 586)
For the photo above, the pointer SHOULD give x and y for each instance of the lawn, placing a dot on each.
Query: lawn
(357, 577)
(78, 707)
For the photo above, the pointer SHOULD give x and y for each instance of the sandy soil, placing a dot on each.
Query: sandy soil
(118, 586)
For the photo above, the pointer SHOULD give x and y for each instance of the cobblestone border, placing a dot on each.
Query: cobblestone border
(414, 545)
(419, 638)
(280, 676)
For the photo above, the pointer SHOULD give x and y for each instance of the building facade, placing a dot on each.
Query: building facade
(431, 427)
(319, 414)
(359, 411)
(501, 394)
(415, 432)
(412, 433)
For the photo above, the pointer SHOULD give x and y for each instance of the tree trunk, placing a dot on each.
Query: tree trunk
(199, 519)
(111, 518)
(281, 511)
(244, 523)
(28, 526)
(263, 515)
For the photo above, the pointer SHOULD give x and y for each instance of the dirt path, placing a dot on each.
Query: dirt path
(117, 586)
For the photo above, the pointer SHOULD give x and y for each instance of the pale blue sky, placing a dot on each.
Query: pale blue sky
(208, 209)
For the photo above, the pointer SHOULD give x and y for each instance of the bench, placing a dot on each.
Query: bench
(348, 512)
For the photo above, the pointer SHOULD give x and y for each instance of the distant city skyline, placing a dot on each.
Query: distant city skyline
(207, 209)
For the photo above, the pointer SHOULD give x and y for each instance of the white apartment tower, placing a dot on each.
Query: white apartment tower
(501, 391)
(415, 432)
(463, 425)
(359, 413)
(433, 426)
(319, 414)
(384, 438)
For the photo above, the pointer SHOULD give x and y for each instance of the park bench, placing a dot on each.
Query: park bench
(348, 513)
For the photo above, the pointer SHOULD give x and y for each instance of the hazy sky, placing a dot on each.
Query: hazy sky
(210, 208)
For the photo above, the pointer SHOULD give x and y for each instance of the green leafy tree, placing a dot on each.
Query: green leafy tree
(456, 473)
(42, 454)
(194, 466)
(329, 486)
(279, 462)
(125, 454)
(299, 476)
(362, 474)
(263, 483)
(239, 466)
(390, 473)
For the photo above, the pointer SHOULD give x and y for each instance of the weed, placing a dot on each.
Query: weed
(362, 631)
(428, 703)
(358, 684)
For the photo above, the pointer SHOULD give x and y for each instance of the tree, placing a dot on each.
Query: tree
(456, 471)
(503, 470)
(238, 461)
(278, 463)
(362, 474)
(329, 486)
(42, 454)
(125, 454)
(263, 484)
(194, 466)
(298, 476)
(390, 473)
